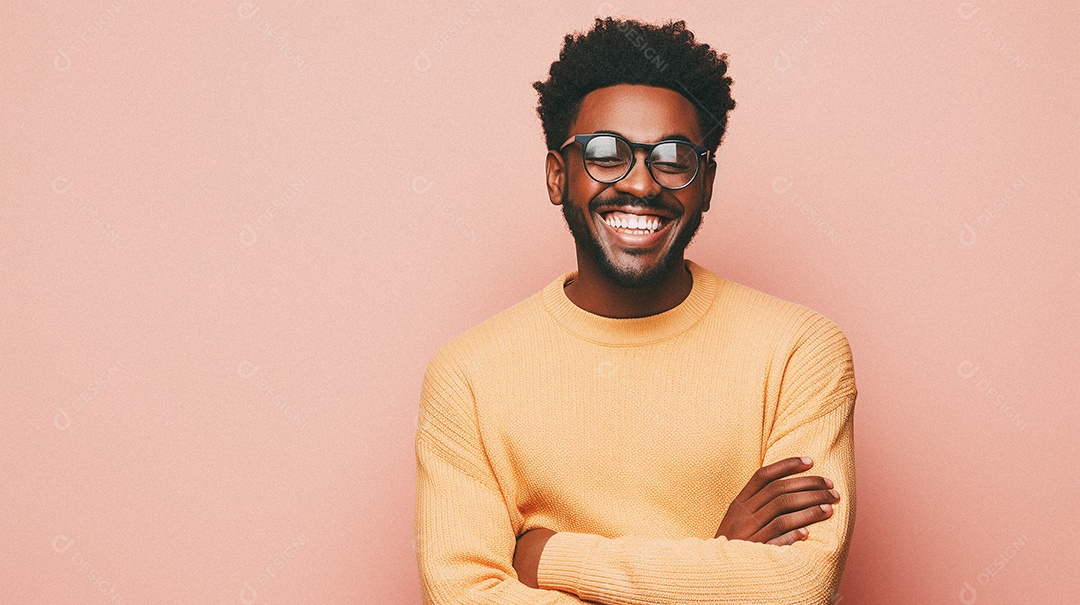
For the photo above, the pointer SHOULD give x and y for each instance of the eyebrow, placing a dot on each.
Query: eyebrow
(675, 136)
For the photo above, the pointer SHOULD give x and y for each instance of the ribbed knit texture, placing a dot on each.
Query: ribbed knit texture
(630, 437)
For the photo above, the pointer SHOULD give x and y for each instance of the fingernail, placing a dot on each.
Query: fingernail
(828, 482)
(826, 507)
(834, 494)
(806, 460)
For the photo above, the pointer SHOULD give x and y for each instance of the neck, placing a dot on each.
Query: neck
(591, 291)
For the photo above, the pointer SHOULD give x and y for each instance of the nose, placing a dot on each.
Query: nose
(639, 182)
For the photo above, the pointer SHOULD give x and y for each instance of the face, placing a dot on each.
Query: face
(644, 114)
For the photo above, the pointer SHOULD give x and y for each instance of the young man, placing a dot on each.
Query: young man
(638, 430)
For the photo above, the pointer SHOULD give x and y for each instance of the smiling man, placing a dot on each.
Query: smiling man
(639, 430)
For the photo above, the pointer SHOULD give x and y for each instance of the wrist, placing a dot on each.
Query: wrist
(530, 547)
(566, 561)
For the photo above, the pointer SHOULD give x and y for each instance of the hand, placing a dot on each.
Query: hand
(777, 512)
(530, 545)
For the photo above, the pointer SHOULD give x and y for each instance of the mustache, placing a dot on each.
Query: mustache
(626, 200)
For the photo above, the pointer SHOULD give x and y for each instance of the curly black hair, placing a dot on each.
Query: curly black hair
(618, 51)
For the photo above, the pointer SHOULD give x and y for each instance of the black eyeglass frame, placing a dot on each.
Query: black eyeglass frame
(583, 140)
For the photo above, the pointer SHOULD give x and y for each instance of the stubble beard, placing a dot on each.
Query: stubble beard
(626, 277)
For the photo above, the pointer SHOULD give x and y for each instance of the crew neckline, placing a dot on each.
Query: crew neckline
(630, 331)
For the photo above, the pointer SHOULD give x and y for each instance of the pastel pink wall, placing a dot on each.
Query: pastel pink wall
(234, 233)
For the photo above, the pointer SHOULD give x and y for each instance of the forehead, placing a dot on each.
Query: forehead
(638, 112)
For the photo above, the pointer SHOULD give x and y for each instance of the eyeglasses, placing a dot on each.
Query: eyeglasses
(608, 158)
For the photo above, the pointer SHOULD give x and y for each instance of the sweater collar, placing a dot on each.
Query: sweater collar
(631, 331)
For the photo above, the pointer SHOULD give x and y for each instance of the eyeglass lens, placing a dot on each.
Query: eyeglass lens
(672, 164)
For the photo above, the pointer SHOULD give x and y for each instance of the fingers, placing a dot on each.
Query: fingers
(790, 538)
(793, 521)
(796, 501)
(771, 472)
(780, 508)
(809, 490)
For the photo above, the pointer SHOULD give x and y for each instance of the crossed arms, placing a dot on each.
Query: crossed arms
(467, 544)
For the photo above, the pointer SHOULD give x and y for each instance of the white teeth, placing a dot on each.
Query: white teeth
(634, 222)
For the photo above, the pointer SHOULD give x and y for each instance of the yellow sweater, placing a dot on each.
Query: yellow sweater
(630, 437)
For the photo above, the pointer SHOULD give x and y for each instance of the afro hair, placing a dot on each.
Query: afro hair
(620, 51)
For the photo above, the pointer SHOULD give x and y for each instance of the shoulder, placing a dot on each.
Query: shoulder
(493, 338)
(786, 323)
(808, 353)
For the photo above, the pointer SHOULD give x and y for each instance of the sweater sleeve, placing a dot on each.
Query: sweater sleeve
(814, 417)
(464, 541)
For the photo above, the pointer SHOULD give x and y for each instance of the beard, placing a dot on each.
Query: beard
(627, 277)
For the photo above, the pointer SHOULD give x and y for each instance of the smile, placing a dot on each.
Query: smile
(634, 223)
(635, 230)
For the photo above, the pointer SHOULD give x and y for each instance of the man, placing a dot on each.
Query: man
(636, 432)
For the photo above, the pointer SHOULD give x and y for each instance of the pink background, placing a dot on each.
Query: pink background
(235, 233)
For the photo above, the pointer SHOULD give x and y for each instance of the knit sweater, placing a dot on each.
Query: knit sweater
(630, 437)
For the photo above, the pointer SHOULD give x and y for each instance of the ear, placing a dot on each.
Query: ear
(707, 185)
(555, 168)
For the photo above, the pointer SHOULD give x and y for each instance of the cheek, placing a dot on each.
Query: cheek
(582, 189)
(690, 198)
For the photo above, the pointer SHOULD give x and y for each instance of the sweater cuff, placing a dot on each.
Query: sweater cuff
(563, 560)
